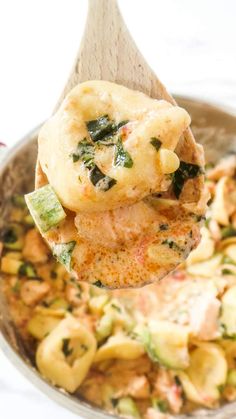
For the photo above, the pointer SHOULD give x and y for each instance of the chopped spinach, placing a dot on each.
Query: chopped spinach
(27, 269)
(172, 245)
(156, 143)
(114, 402)
(184, 172)
(53, 274)
(226, 271)
(65, 347)
(100, 128)
(63, 253)
(103, 129)
(117, 308)
(101, 181)
(229, 231)
(8, 235)
(121, 124)
(122, 157)
(163, 227)
(98, 284)
(85, 153)
(84, 347)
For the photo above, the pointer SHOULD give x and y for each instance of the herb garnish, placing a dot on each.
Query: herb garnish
(117, 308)
(160, 405)
(172, 245)
(9, 235)
(163, 227)
(84, 152)
(101, 181)
(98, 284)
(184, 172)
(122, 157)
(100, 128)
(156, 143)
(226, 271)
(65, 347)
(103, 129)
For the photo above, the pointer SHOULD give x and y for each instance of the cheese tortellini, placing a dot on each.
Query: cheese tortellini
(109, 146)
(66, 354)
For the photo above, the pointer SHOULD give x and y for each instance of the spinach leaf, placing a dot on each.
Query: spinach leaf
(98, 284)
(184, 172)
(84, 152)
(101, 181)
(65, 347)
(100, 127)
(103, 129)
(8, 235)
(156, 143)
(122, 157)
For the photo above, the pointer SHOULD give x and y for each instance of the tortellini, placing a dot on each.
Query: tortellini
(66, 354)
(206, 373)
(119, 346)
(206, 268)
(100, 151)
(224, 200)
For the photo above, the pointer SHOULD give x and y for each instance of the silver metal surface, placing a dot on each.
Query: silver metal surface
(214, 127)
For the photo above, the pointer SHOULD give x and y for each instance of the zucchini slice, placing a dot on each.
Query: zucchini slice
(63, 253)
(166, 343)
(228, 312)
(127, 407)
(45, 208)
(12, 236)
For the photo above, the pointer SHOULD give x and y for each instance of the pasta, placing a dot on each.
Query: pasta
(105, 159)
(167, 349)
(66, 354)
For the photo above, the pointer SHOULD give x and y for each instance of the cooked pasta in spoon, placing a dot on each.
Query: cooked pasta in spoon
(120, 192)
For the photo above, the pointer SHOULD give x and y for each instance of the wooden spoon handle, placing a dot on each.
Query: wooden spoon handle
(107, 52)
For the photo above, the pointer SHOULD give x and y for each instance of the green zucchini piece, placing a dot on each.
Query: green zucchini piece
(18, 201)
(166, 343)
(160, 405)
(12, 236)
(45, 208)
(122, 157)
(156, 143)
(231, 378)
(126, 406)
(27, 269)
(63, 253)
(228, 312)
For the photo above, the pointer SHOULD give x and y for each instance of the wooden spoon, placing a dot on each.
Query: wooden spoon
(107, 52)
